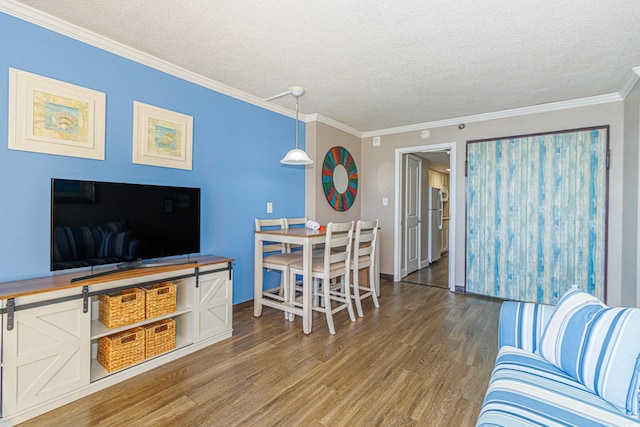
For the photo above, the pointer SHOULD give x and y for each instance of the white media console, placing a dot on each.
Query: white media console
(50, 330)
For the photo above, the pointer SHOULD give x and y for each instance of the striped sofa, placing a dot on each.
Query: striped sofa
(526, 389)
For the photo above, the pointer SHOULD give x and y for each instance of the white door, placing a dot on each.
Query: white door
(413, 171)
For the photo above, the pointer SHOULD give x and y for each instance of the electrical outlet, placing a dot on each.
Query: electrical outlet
(269, 207)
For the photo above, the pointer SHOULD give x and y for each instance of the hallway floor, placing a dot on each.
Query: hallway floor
(435, 275)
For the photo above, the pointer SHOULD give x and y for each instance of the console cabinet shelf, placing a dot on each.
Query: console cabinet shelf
(98, 329)
(50, 333)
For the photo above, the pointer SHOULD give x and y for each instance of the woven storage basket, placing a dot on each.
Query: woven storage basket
(121, 349)
(122, 309)
(160, 299)
(160, 337)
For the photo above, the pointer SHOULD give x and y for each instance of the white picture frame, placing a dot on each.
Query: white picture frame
(54, 117)
(161, 137)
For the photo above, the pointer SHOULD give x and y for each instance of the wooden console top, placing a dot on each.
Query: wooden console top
(56, 282)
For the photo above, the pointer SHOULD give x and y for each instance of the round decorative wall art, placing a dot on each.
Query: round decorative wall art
(339, 178)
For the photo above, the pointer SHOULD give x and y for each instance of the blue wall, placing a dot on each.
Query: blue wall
(236, 153)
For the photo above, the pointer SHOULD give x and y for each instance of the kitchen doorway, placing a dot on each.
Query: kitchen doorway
(436, 158)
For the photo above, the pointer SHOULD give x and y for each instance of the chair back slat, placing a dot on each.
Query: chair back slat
(365, 242)
(337, 248)
(271, 224)
(294, 223)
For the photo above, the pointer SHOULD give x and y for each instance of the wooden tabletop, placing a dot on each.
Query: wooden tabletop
(300, 232)
(56, 282)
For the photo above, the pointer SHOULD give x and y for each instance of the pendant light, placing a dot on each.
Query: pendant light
(295, 156)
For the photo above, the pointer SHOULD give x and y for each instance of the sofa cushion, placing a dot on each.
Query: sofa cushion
(522, 324)
(609, 360)
(527, 390)
(598, 346)
(562, 338)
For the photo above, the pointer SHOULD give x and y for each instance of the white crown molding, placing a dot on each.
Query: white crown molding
(630, 83)
(333, 123)
(554, 106)
(60, 26)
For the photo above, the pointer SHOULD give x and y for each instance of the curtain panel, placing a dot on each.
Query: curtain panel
(537, 214)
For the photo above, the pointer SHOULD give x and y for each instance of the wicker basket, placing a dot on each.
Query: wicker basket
(160, 299)
(160, 337)
(121, 349)
(122, 309)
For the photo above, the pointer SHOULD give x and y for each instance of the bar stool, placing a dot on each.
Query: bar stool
(277, 258)
(294, 223)
(364, 252)
(334, 263)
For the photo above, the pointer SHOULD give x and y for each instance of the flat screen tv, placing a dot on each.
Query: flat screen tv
(97, 223)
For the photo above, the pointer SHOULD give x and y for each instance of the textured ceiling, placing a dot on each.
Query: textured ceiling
(376, 64)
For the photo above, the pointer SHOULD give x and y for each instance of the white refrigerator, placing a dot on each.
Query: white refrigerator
(434, 224)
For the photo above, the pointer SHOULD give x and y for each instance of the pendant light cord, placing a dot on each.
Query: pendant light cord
(297, 97)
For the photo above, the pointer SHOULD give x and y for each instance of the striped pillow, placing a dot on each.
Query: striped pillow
(596, 345)
(609, 363)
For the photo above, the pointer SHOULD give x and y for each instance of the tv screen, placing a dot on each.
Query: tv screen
(97, 223)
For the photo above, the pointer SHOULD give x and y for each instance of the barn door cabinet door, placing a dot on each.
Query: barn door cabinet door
(45, 355)
(214, 307)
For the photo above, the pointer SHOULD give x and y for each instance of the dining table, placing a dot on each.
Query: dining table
(304, 237)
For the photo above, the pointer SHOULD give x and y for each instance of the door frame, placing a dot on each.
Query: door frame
(397, 229)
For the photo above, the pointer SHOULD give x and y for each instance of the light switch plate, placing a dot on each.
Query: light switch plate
(269, 207)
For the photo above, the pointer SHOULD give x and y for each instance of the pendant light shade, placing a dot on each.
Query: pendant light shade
(296, 156)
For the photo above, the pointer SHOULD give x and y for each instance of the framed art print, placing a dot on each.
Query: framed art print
(161, 137)
(54, 117)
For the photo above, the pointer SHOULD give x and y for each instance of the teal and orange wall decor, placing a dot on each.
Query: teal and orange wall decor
(340, 178)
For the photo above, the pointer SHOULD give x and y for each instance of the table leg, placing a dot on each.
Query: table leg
(307, 251)
(257, 277)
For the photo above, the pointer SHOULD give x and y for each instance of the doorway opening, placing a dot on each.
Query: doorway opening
(434, 157)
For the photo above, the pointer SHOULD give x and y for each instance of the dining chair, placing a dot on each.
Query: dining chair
(364, 252)
(276, 257)
(333, 263)
(295, 223)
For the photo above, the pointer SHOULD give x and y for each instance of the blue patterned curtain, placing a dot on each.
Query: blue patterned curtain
(536, 215)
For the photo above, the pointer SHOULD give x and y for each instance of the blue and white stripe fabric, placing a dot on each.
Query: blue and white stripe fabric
(522, 324)
(562, 338)
(526, 390)
(609, 360)
(596, 345)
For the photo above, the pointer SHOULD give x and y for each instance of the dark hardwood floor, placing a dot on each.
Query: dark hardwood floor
(422, 359)
(436, 274)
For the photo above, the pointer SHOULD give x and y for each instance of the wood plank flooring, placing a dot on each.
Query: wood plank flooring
(436, 274)
(422, 359)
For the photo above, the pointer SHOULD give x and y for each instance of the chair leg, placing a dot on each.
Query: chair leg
(372, 286)
(356, 293)
(326, 287)
(347, 294)
(291, 292)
